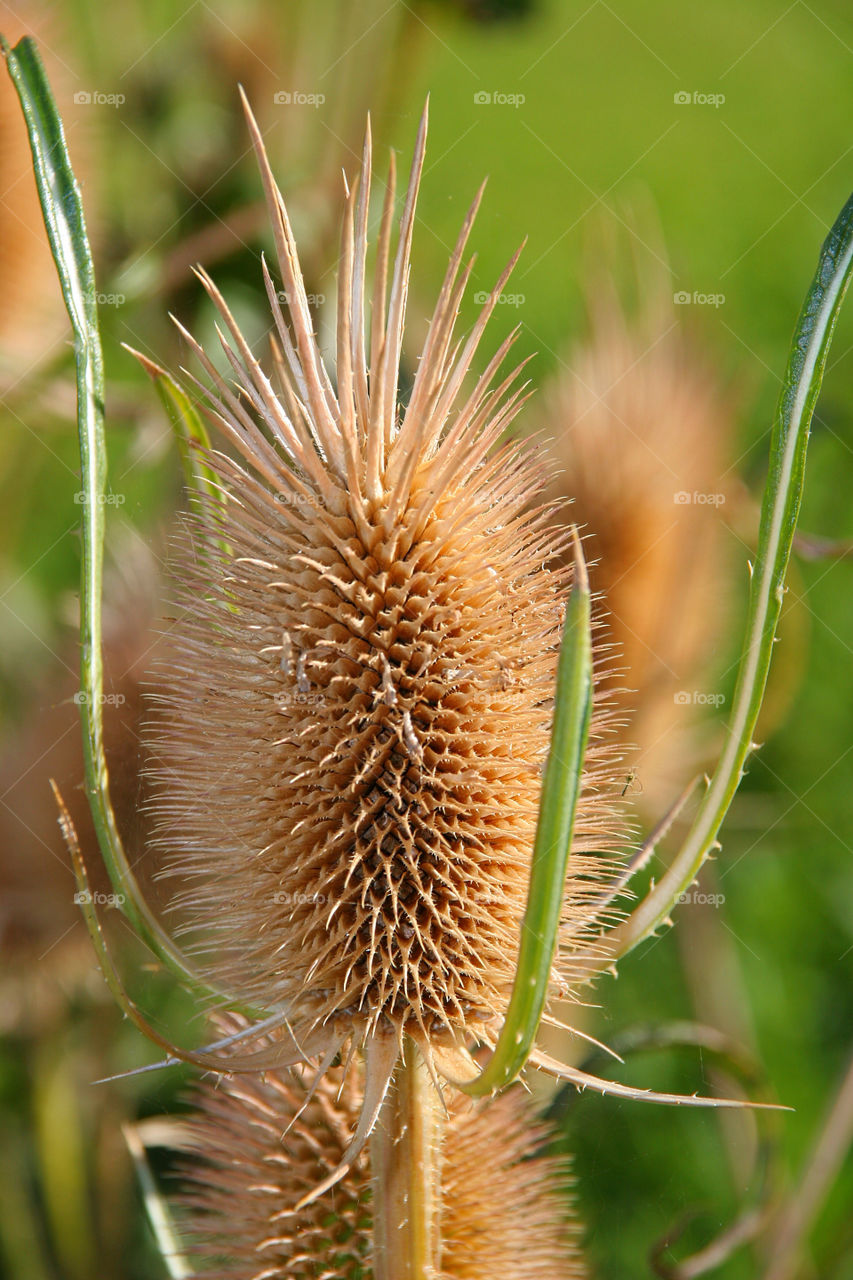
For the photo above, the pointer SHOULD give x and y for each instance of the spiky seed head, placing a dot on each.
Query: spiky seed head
(507, 1205)
(351, 728)
(260, 1143)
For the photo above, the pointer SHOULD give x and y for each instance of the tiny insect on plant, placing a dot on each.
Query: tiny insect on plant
(369, 466)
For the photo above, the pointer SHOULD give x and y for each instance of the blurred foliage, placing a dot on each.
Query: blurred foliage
(583, 130)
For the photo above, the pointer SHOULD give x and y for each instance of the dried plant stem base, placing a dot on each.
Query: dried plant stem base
(405, 1152)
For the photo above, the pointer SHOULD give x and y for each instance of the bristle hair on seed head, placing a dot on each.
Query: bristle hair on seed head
(258, 1144)
(352, 720)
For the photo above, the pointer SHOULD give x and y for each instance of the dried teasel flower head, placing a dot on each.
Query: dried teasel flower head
(353, 719)
(258, 1144)
(641, 431)
(506, 1205)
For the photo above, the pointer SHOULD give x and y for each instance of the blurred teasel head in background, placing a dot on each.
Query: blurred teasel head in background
(641, 435)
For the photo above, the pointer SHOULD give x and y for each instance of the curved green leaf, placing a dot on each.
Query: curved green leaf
(560, 791)
(190, 432)
(62, 210)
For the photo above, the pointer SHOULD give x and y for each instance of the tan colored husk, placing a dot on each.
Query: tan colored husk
(641, 435)
(259, 1144)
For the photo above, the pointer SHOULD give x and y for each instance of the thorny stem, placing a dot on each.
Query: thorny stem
(406, 1174)
(62, 209)
(780, 508)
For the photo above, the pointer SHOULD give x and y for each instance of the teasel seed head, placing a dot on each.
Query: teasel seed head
(351, 727)
(259, 1143)
(507, 1207)
(262, 1143)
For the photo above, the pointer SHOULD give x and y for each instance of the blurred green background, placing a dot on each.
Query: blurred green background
(588, 142)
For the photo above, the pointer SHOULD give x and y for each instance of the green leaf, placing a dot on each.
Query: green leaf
(156, 1206)
(560, 791)
(62, 210)
(190, 432)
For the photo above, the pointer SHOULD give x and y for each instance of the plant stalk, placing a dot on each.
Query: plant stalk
(779, 511)
(405, 1150)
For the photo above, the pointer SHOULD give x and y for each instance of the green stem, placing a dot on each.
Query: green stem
(779, 511)
(156, 1207)
(406, 1174)
(62, 209)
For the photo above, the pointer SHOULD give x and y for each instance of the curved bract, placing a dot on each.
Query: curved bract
(779, 511)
